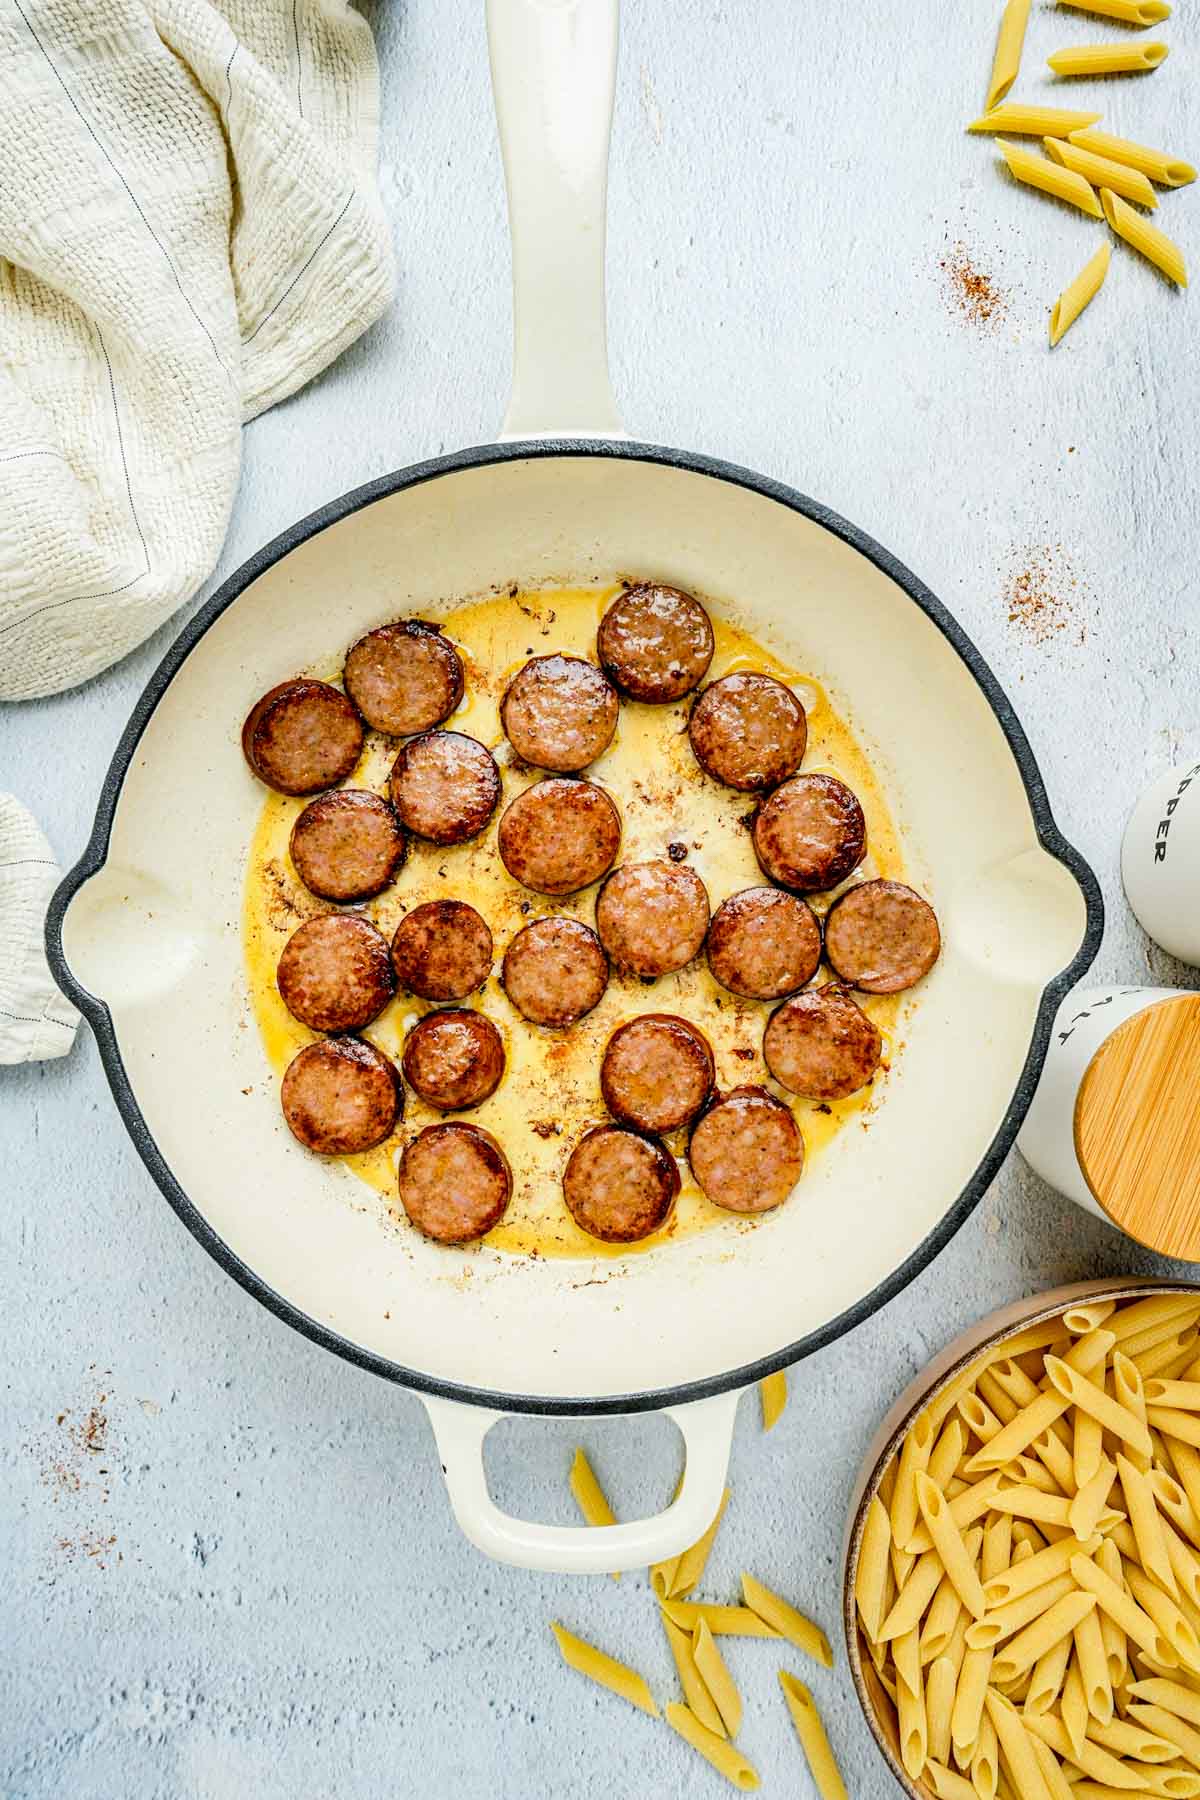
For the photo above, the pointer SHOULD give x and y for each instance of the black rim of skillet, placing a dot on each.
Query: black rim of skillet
(96, 1011)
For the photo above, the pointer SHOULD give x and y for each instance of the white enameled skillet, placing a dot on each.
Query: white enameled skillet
(144, 932)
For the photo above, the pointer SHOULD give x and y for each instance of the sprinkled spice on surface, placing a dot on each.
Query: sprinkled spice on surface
(1044, 595)
(972, 295)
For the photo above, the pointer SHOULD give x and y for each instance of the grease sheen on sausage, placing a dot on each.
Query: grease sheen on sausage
(404, 677)
(748, 731)
(445, 786)
(335, 973)
(347, 845)
(560, 835)
(559, 712)
(810, 833)
(763, 944)
(655, 642)
(453, 1059)
(821, 1045)
(657, 1072)
(618, 1185)
(302, 736)
(882, 937)
(652, 916)
(442, 950)
(454, 1182)
(340, 1096)
(555, 971)
(746, 1152)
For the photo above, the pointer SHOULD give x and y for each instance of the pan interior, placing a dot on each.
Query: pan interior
(157, 933)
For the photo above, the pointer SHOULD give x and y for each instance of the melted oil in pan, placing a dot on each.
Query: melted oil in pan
(550, 1092)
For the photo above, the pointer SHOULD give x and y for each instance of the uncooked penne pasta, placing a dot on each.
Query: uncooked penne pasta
(1108, 59)
(1185, 1564)
(1084, 1318)
(1057, 1622)
(910, 1705)
(1093, 1665)
(1057, 1785)
(590, 1497)
(1173, 1500)
(1121, 1606)
(1184, 1396)
(773, 1396)
(1027, 1502)
(985, 1760)
(1015, 1745)
(1074, 1709)
(941, 1619)
(1088, 1755)
(728, 1621)
(1184, 1702)
(1116, 1654)
(1044, 1566)
(786, 1621)
(693, 1561)
(948, 1542)
(1135, 1326)
(1050, 178)
(946, 1454)
(1004, 1621)
(1167, 171)
(1129, 12)
(1069, 1382)
(1126, 1737)
(1101, 171)
(1006, 65)
(1089, 1503)
(717, 1679)
(871, 1575)
(1169, 1618)
(940, 1683)
(914, 1456)
(1128, 1391)
(725, 1759)
(1033, 121)
(690, 1678)
(1169, 1726)
(1048, 1675)
(974, 1501)
(1186, 1458)
(618, 1677)
(1087, 1442)
(946, 1784)
(1146, 1524)
(662, 1574)
(1174, 1357)
(813, 1741)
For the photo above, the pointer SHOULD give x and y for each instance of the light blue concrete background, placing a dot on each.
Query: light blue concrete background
(287, 1612)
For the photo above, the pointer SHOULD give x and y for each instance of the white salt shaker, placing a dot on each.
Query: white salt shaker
(1160, 862)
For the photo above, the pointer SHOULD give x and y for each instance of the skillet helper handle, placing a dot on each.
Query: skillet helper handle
(554, 68)
(707, 1428)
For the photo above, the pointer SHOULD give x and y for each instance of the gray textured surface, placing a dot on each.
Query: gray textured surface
(287, 1609)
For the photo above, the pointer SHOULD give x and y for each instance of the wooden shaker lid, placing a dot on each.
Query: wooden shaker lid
(1137, 1127)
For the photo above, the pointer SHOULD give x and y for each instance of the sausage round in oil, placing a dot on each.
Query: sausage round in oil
(335, 973)
(454, 1182)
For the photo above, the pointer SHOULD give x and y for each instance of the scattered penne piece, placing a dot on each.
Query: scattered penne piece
(717, 1679)
(813, 1740)
(1167, 171)
(618, 1677)
(1166, 255)
(728, 1621)
(590, 1497)
(1033, 121)
(773, 1397)
(690, 1679)
(1101, 171)
(1050, 178)
(693, 1561)
(1108, 59)
(662, 1574)
(1129, 12)
(786, 1621)
(725, 1759)
(1011, 40)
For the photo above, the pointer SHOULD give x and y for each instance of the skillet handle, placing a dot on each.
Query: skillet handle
(707, 1427)
(554, 68)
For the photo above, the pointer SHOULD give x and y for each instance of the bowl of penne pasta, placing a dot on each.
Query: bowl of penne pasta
(1022, 1577)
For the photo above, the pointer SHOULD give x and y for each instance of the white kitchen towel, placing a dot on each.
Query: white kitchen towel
(36, 1021)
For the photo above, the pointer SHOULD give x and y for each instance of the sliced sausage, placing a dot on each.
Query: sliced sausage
(348, 845)
(559, 713)
(442, 950)
(657, 1072)
(340, 1096)
(555, 971)
(560, 835)
(445, 786)
(303, 736)
(652, 916)
(748, 731)
(335, 973)
(810, 833)
(404, 677)
(655, 642)
(746, 1152)
(619, 1186)
(882, 937)
(455, 1182)
(453, 1059)
(762, 943)
(821, 1045)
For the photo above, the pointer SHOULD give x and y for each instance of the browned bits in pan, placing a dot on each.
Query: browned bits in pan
(559, 712)
(652, 916)
(442, 950)
(655, 642)
(810, 833)
(404, 677)
(746, 1152)
(340, 1096)
(454, 1182)
(763, 944)
(302, 736)
(619, 1186)
(882, 937)
(559, 835)
(555, 971)
(445, 786)
(657, 1072)
(821, 1045)
(348, 845)
(748, 731)
(335, 973)
(454, 1060)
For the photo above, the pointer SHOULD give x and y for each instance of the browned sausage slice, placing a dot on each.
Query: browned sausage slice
(555, 971)
(445, 786)
(762, 943)
(335, 973)
(303, 736)
(619, 1186)
(882, 937)
(404, 677)
(652, 916)
(442, 950)
(746, 1152)
(453, 1059)
(559, 835)
(455, 1182)
(655, 642)
(559, 712)
(348, 845)
(810, 833)
(657, 1072)
(821, 1045)
(340, 1096)
(748, 731)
